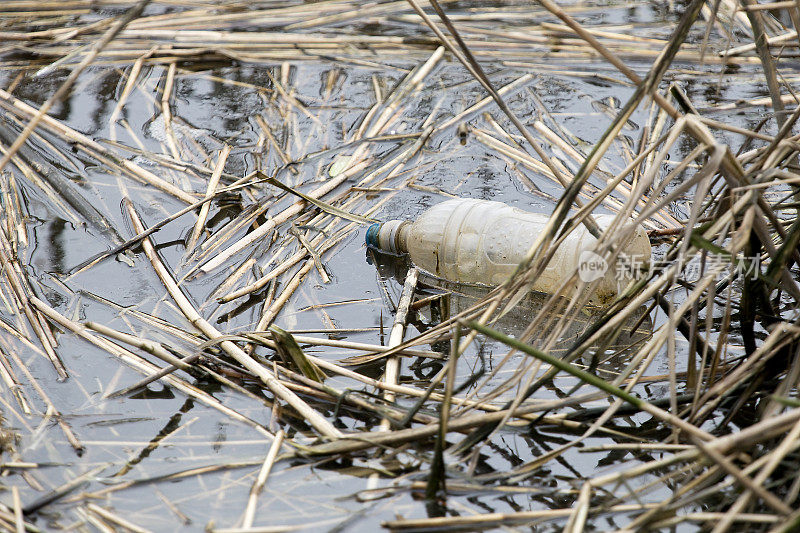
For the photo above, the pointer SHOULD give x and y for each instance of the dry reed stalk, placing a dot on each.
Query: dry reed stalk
(115, 519)
(248, 217)
(533, 164)
(212, 186)
(45, 187)
(358, 12)
(545, 310)
(279, 218)
(15, 229)
(97, 150)
(13, 384)
(750, 485)
(150, 347)
(133, 77)
(324, 243)
(23, 293)
(382, 438)
(380, 116)
(640, 296)
(68, 433)
(759, 432)
(465, 57)
(314, 418)
(391, 371)
(261, 480)
(19, 521)
(359, 346)
(775, 457)
(202, 16)
(64, 89)
(397, 389)
(273, 141)
(21, 334)
(701, 175)
(315, 255)
(166, 112)
(308, 386)
(155, 376)
(275, 307)
(274, 46)
(493, 520)
(142, 365)
(658, 413)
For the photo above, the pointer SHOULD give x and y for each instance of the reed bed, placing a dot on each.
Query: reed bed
(194, 336)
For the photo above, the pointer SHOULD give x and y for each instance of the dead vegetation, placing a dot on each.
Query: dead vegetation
(682, 391)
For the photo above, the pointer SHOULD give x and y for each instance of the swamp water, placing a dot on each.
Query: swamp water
(166, 461)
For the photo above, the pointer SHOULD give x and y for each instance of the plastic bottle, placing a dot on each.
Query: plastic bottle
(481, 241)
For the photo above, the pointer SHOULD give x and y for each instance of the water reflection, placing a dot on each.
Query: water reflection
(457, 297)
(56, 241)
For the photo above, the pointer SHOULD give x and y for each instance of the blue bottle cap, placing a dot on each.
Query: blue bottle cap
(372, 235)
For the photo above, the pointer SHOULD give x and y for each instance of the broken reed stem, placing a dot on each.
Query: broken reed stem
(133, 77)
(154, 228)
(166, 112)
(467, 59)
(323, 274)
(17, 504)
(349, 345)
(212, 186)
(776, 456)
(261, 480)
(767, 63)
(495, 520)
(436, 478)
(748, 484)
(188, 360)
(272, 311)
(392, 371)
(153, 348)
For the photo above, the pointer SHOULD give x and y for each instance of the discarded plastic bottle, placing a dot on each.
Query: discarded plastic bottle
(481, 241)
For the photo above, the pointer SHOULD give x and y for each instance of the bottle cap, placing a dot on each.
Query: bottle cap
(372, 235)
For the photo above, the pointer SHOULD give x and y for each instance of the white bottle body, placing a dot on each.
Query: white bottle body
(481, 241)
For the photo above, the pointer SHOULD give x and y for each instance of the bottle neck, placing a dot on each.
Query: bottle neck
(393, 236)
(402, 237)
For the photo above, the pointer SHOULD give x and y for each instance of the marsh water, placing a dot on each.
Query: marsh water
(166, 461)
